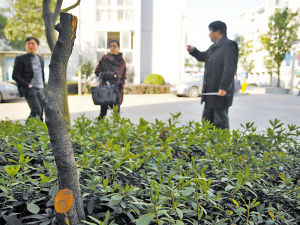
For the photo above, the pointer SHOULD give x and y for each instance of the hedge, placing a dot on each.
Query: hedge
(129, 89)
(155, 173)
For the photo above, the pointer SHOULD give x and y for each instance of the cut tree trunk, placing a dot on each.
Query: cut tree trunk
(50, 18)
(52, 98)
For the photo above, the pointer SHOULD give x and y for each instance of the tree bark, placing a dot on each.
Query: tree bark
(52, 98)
(50, 18)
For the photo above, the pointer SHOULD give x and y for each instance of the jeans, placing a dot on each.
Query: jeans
(34, 103)
(217, 117)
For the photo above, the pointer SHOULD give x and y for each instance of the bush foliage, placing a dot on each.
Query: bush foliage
(154, 79)
(146, 89)
(155, 173)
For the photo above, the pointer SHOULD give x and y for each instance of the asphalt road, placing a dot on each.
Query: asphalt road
(257, 108)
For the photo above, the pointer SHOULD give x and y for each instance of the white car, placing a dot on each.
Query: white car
(193, 88)
(8, 91)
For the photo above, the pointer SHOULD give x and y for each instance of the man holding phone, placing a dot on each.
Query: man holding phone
(220, 67)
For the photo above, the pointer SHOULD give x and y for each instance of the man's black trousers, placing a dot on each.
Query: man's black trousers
(217, 117)
(34, 103)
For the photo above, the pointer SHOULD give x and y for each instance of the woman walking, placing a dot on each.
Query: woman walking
(112, 69)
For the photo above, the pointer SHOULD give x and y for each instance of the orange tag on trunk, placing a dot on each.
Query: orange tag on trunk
(63, 201)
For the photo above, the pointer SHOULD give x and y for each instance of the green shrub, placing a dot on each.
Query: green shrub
(154, 79)
(87, 68)
(156, 173)
(146, 89)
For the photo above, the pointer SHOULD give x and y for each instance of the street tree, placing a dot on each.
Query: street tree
(282, 30)
(246, 51)
(29, 11)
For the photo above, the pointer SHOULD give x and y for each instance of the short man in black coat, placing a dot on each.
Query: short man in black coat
(29, 75)
(220, 67)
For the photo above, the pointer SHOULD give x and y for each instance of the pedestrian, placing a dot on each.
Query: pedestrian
(112, 69)
(220, 67)
(29, 74)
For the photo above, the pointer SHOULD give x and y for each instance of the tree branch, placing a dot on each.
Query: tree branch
(71, 7)
(56, 10)
(46, 8)
(47, 17)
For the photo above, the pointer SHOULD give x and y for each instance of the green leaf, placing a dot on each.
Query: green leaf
(12, 220)
(188, 191)
(145, 219)
(106, 218)
(33, 208)
(94, 219)
(179, 213)
(229, 188)
(179, 222)
(4, 189)
(224, 179)
(90, 206)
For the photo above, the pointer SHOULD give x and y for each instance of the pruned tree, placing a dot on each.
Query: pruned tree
(282, 31)
(50, 18)
(52, 98)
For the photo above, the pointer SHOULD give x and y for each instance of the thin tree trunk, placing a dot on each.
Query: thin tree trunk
(271, 79)
(278, 76)
(53, 101)
(50, 20)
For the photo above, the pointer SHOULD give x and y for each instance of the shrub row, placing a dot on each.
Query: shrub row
(129, 88)
(146, 89)
(156, 173)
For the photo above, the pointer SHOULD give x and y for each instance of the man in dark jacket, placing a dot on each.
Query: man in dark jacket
(220, 67)
(29, 75)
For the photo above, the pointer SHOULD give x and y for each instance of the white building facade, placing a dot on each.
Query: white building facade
(151, 35)
(254, 23)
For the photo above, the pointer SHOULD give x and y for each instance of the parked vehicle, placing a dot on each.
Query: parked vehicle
(8, 91)
(193, 88)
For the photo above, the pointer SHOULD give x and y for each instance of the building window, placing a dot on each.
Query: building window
(129, 3)
(126, 47)
(9, 63)
(108, 11)
(112, 36)
(120, 3)
(101, 40)
(125, 43)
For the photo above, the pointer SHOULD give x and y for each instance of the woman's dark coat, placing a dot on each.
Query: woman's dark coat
(220, 67)
(108, 66)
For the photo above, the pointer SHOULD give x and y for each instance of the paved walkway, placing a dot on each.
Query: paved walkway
(253, 106)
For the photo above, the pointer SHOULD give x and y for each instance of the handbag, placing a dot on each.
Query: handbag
(104, 95)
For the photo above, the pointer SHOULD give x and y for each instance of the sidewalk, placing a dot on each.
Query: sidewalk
(19, 110)
(253, 90)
